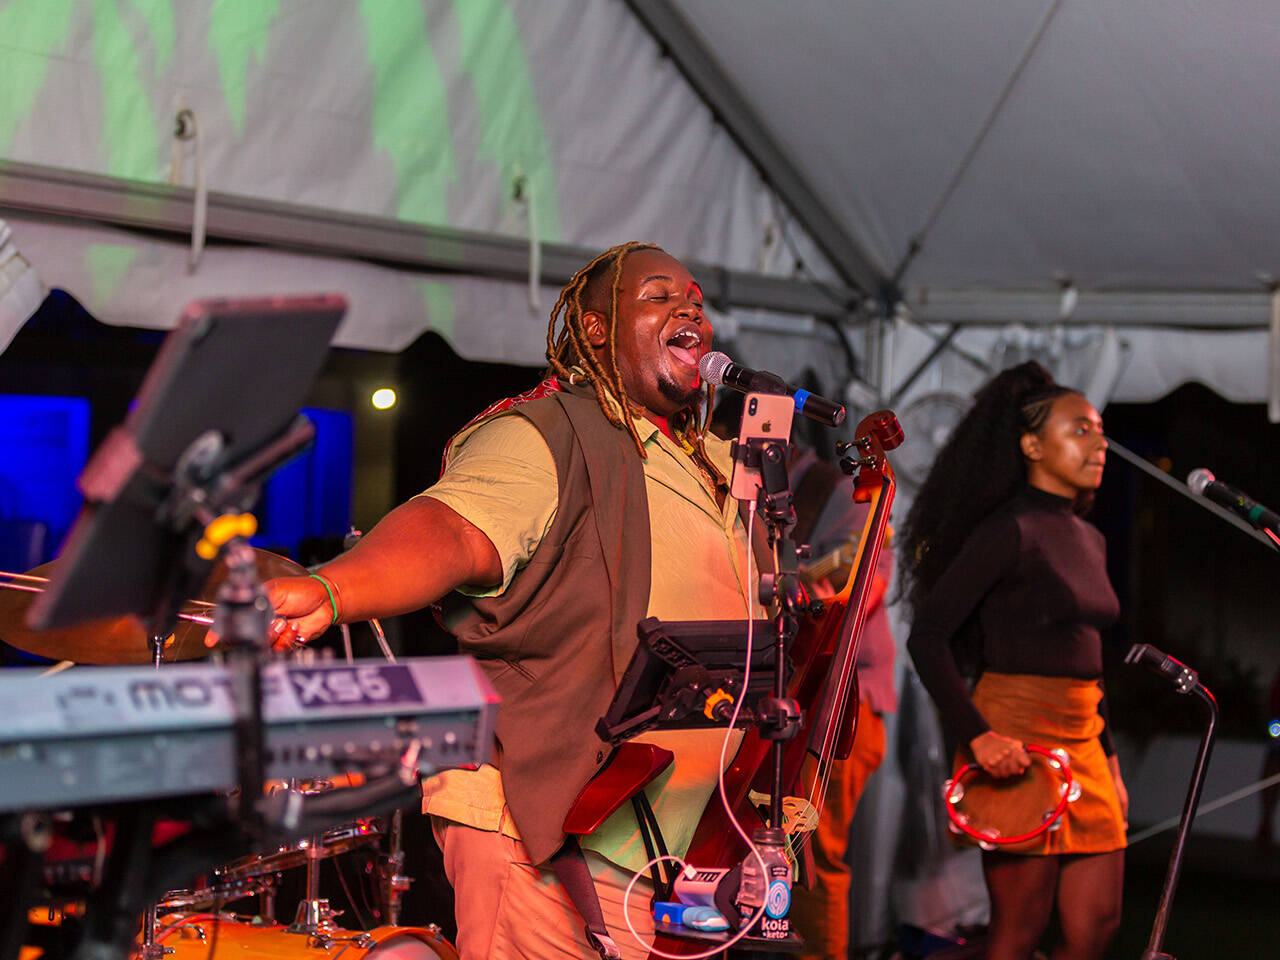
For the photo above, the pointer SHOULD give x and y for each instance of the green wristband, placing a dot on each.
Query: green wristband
(333, 604)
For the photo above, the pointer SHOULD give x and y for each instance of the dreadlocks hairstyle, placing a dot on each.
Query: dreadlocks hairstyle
(569, 348)
(979, 469)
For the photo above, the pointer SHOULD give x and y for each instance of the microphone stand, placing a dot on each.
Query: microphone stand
(1185, 681)
(780, 716)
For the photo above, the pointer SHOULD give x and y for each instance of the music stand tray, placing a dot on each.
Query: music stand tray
(676, 671)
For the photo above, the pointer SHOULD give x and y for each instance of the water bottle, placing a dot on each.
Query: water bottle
(770, 888)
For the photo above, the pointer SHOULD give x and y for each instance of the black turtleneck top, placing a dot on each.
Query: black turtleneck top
(1036, 576)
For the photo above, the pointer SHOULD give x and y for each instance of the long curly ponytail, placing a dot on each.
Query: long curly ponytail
(979, 469)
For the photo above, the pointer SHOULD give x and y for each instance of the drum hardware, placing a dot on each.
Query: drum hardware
(314, 917)
(392, 882)
(150, 949)
(213, 897)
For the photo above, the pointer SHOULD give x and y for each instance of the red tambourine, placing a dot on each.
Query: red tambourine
(1003, 811)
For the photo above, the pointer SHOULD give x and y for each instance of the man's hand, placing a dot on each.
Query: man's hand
(998, 755)
(302, 607)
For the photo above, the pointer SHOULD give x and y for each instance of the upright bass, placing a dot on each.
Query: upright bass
(822, 674)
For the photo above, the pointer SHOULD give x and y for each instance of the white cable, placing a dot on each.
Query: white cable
(724, 798)
(187, 128)
(535, 253)
(176, 148)
(522, 193)
(199, 215)
(1163, 825)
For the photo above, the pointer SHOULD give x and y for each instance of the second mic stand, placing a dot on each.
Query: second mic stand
(1185, 681)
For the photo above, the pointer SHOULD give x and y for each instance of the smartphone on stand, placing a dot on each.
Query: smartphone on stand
(765, 416)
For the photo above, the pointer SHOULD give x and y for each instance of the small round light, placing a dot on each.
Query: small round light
(384, 398)
(1274, 728)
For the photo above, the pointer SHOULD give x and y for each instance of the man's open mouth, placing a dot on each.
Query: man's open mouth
(686, 346)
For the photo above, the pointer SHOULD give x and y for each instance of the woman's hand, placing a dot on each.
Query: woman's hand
(1113, 764)
(999, 755)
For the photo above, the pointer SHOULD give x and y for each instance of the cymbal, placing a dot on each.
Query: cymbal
(121, 639)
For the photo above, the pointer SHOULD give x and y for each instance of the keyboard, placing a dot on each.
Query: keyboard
(95, 735)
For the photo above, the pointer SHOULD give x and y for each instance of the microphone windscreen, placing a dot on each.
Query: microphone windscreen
(1199, 479)
(713, 365)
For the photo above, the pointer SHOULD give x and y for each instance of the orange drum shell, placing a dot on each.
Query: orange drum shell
(238, 940)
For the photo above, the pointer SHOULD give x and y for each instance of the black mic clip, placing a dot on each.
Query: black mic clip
(1183, 678)
(770, 458)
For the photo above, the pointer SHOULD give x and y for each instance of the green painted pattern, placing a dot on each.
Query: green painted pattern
(410, 108)
(130, 128)
(158, 15)
(238, 32)
(107, 264)
(437, 295)
(31, 31)
(513, 136)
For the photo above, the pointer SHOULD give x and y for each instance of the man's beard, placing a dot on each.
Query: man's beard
(677, 394)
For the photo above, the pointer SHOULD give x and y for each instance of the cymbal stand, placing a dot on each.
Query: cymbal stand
(393, 883)
(151, 950)
(314, 917)
(157, 651)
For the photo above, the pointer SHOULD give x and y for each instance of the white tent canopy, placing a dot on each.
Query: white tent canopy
(365, 132)
(1128, 154)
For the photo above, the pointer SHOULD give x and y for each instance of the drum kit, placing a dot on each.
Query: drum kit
(194, 922)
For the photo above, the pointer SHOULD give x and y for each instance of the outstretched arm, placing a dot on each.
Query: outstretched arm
(414, 556)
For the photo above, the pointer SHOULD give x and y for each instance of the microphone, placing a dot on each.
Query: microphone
(718, 370)
(1201, 481)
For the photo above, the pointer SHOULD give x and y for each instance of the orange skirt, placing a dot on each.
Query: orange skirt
(1056, 712)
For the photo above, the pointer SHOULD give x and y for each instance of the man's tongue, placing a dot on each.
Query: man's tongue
(684, 355)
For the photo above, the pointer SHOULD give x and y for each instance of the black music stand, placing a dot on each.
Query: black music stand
(217, 412)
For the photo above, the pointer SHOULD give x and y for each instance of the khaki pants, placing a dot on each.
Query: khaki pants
(821, 915)
(506, 907)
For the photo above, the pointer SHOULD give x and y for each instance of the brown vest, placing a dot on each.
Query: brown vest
(556, 640)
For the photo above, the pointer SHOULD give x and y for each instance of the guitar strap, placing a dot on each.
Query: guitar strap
(571, 867)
